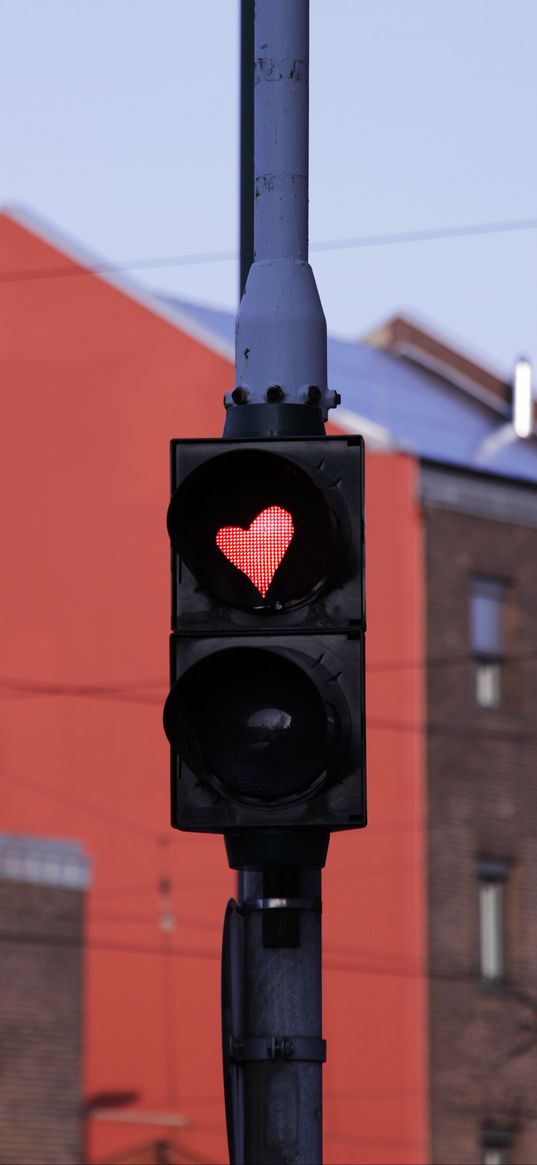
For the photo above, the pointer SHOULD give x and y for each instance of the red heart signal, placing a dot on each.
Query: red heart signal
(258, 551)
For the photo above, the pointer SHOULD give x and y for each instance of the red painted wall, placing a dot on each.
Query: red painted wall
(374, 894)
(93, 386)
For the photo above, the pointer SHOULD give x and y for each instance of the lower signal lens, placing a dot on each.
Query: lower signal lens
(252, 722)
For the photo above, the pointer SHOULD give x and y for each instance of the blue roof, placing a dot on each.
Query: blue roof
(398, 404)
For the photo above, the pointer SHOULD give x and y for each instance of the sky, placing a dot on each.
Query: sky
(119, 127)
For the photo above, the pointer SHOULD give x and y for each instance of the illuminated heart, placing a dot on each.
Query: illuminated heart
(258, 551)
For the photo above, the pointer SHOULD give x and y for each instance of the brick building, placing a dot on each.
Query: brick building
(480, 557)
(480, 565)
(42, 892)
(476, 489)
(482, 856)
(429, 935)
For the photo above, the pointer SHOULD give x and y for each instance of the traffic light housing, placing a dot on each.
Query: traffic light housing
(265, 716)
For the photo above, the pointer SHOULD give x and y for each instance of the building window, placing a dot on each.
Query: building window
(494, 1156)
(492, 877)
(496, 1143)
(487, 603)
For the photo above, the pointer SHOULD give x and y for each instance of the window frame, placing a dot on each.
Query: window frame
(487, 619)
(492, 878)
(497, 1140)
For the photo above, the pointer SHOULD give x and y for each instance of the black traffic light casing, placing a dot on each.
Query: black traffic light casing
(266, 712)
(210, 477)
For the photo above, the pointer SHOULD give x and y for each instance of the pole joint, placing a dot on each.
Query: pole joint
(252, 904)
(256, 1048)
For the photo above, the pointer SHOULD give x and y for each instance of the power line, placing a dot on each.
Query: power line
(342, 1138)
(428, 235)
(357, 964)
(484, 732)
(27, 938)
(390, 238)
(432, 661)
(181, 920)
(128, 691)
(338, 956)
(478, 733)
(82, 806)
(138, 690)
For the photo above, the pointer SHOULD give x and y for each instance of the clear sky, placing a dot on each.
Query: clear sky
(119, 125)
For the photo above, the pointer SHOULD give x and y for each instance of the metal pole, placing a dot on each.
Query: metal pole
(282, 998)
(280, 339)
(246, 143)
(247, 55)
(280, 390)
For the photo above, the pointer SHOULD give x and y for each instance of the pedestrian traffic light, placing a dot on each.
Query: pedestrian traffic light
(265, 716)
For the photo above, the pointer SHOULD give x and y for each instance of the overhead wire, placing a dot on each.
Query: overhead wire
(485, 731)
(83, 806)
(388, 238)
(356, 964)
(360, 964)
(125, 694)
(140, 688)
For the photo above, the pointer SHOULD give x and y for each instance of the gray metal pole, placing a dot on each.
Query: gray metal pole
(282, 997)
(280, 389)
(280, 350)
(246, 143)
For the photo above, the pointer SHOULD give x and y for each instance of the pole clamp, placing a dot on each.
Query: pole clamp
(251, 904)
(277, 1048)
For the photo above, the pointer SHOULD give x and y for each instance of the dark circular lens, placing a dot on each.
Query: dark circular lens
(255, 529)
(254, 723)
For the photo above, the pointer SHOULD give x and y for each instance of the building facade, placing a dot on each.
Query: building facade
(42, 893)
(481, 555)
(427, 923)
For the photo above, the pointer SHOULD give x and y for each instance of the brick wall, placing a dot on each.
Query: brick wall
(40, 1014)
(482, 791)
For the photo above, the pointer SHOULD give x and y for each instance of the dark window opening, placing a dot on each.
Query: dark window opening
(492, 878)
(487, 635)
(497, 1143)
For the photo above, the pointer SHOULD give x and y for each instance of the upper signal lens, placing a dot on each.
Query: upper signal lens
(258, 551)
(255, 530)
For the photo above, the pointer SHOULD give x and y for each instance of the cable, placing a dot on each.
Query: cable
(480, 733)
(392, 238)
(54, 940)
(185, 920)
(432, 661)
(59, 940)
(126, 689)
(332, 951)
(330, 964)
(394, 1142)
(487, 732)
(141, 891)
(428, 235)
(82, 806)
(129, 691)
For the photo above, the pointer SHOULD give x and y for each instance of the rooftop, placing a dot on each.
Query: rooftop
(419, 396)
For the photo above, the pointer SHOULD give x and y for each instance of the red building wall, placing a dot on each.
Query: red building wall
(93, 386)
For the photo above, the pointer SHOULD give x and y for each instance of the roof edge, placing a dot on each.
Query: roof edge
(115, 277)
(405, 336)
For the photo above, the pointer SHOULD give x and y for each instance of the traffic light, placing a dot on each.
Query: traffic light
(265, 716)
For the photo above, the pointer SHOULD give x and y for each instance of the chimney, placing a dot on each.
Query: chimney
(522, 399)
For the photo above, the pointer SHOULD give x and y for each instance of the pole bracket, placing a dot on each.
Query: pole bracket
(277, 1048)
(252, 904)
